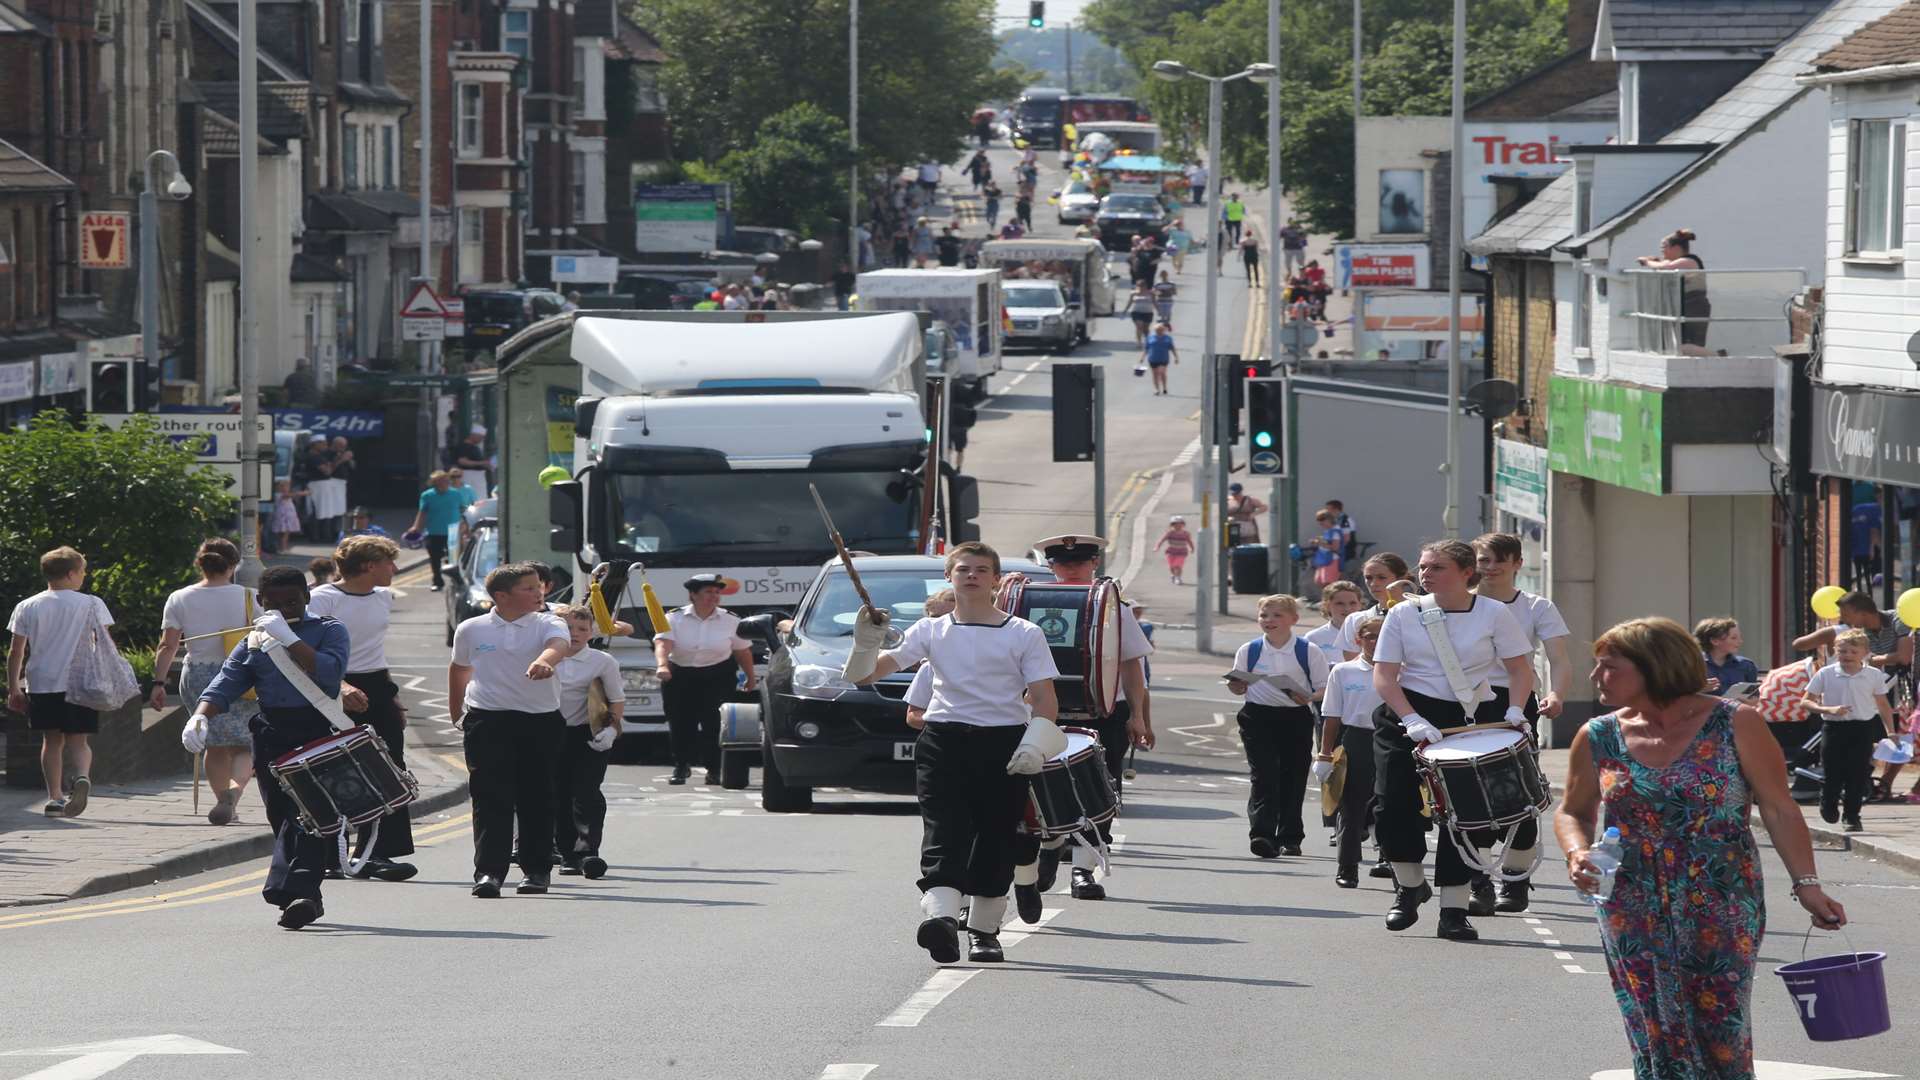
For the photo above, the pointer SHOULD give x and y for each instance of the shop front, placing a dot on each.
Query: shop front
(16, 394)
(1520, 479)
(1864, 454)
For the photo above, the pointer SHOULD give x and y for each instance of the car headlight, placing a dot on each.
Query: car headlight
(484, 604)
(816, 681)
(639, 680)
(1051, 320)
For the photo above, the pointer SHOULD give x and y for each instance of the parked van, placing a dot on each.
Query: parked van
(968, 301)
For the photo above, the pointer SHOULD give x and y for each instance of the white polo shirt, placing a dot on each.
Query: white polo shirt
(1541, 621)
(980, 671)
(499, 652)
(365, 615)
(699, 642)
(52, 622)
(1326, 638)
(1482, 636)
(920, 691)
(1351, 626)
(1856, 691)
(1133, 644)
(1280, 660)
(1350, 694)
(576, 675)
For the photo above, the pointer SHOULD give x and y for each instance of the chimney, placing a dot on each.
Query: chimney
(1583, 17)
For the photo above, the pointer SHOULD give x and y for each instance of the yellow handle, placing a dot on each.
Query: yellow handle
(602, 618)
(656, 614)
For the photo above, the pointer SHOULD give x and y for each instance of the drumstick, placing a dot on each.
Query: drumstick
(1476, 727)
(840, 546)
(216, 633)
(197, 759)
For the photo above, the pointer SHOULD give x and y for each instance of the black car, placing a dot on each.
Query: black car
(494, 315)
(466, 589)
(818, 729)
(1126, 215)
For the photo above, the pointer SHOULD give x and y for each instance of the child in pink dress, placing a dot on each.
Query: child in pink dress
(1178, 543)
(286, 517)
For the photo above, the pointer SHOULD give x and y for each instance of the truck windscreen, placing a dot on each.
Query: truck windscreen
(708, 516)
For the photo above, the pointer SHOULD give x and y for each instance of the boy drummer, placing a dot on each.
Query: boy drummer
(975, 750)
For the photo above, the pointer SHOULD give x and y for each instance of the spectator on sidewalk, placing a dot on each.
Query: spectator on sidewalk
(47, 627)
(438, 514)
(1234, 213)
(1250, 255)
(300, 386)
(1293, 246)
(470, 459)
(362, 519)
(322, 570)
(213, 604)
(1178, 241)
(1243, 516)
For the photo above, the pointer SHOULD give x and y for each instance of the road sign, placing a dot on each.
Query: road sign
(593, 269)
(231, 470)
(220, 432)
(423, 328)
(422, 301)
(103, 239)
(456, 315)
(451, 381)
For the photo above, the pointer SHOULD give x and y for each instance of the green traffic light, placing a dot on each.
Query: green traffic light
(1037, 24)
(1263, 439)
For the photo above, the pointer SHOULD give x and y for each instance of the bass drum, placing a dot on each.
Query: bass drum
(1082, 624)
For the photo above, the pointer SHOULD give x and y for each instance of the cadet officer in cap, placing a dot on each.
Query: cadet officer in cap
(1074, 560)
(699, 655)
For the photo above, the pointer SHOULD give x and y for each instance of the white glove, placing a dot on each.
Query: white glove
(1418, 729)
(274, 625)
(1322, 770)
(193, 737)
(868, 637)
(604, 741)
(1518, 718)
(1026, 761)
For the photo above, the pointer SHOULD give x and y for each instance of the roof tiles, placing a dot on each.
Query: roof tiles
(1894, 39)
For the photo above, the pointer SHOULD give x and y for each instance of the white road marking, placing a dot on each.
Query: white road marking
(1020, 378)
(1576, 969)
(944, 982)
(1549, 941)
(1530, 921)
(1017, 932)
(1542, 931)
(1137, 545)
(846, 1072)
(1198, 741)
(1563, 956)
(86, 1061)
(1776, 1070)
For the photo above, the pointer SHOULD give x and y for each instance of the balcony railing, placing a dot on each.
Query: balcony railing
(1710, 312)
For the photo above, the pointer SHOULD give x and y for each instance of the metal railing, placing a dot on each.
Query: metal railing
(1710, 312)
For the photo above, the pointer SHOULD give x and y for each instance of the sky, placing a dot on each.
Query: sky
(1056, 9)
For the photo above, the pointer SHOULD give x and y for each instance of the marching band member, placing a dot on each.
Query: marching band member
(1381, 572)
(1430, 669)
(1348, 709)
(975, 750)
(1276, 726)
(580, 810)
(319, 647)
(699, 655)
(501, 691)
(362, 602)
(1338, 601)
(1498, 557)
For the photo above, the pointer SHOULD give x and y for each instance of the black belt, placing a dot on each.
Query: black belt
(953, 727)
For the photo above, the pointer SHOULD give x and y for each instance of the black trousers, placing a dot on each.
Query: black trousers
(692, 700)
(1279, 746)
(300, 858)
(969, 806)
(436, 553)
(383, 715)
(510, 764)
(1846, 757)
(1400, 825)
(579, 809)
(1356, 797)
(1113, 745)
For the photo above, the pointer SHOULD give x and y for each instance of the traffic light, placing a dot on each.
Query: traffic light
(1073, 412)
(1238, 372)
(1037, 14)
(110, 386)
(1266, 426)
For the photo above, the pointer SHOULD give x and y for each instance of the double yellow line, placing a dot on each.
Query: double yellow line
(227, 889)
(1124, 499)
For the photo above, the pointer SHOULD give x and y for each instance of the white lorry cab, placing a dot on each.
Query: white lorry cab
(968, 301)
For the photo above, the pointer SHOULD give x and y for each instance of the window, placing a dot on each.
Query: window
(1582, 312)
(321, 134)
(579, 186)
(1403, 201)
(647, 97)
(1582, 203)
(370, 155)
(374, 12)
(590, 182)
(389, 155)
(580, 54)
(350, 156)
(516, 33)
(350, 10)
(1877, 177)
(473, 244)
(1629, 104)
(468, 102)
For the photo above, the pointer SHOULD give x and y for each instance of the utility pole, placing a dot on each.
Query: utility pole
(249, 355)
(1275, 261)
(853, 135)
(1456, 209)
(427, 443)
(1069, 33)
(1099, 451)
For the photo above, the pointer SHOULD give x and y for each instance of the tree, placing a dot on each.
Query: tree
(794, 174)
(133, 501)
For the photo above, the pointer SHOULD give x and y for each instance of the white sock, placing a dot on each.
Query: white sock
(985, 913)
(1517, 860)
(941, 902)
(1409, 875)
(1084, 857)
(1026, 874)
(1453, 896)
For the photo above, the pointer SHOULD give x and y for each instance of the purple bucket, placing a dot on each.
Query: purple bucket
(1839, 997)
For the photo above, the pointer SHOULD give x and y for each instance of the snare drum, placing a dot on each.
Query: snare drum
(1082, 625)
(345, 779)
(1073, 789)
(1484, 779)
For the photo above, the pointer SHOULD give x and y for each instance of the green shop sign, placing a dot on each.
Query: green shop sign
(1606, 432)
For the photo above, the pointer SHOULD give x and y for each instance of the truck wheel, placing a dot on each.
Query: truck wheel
(734, 769)
(776, 797)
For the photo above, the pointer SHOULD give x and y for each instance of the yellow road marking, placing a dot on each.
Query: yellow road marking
(415, 576)
(138, 900)
(458, 761)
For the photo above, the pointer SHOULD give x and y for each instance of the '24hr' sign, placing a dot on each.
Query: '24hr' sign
(352, 423)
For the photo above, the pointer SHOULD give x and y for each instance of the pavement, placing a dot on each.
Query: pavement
(392, 519)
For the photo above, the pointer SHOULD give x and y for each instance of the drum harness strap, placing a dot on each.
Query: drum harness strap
(337, 716)
(1434, 619)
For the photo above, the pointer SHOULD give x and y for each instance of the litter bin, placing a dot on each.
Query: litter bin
(1249, 566)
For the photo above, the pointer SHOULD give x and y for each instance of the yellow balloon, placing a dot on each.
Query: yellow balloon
(1825, 601)
(1909, 607)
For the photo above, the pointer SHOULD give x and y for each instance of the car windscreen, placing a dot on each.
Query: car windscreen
(493, 307)
(1133, 204)
(761, 516)
(485, 554)
(1078, 187)
(1032, 296)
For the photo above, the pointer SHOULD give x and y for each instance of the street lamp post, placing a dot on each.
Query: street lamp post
(177, 189)
(1211, 408)
(853, 135)
(248, 352)
(1450, 523)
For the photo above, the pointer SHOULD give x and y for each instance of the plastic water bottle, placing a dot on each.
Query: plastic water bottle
(1606, 857)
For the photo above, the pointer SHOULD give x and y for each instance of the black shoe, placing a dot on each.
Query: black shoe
(984, 948)
(532, 885)
(569, 869)
(1049, 869)
(435, 587)
(387, 870)
(1290, 849)
(941, 938)
(1513, 897)
(680, 774)
(1454, 926)
(1381, 870)
(1406, 905)
(300, 913)
(486, 887)
(1333, 840)
(1347, 877)
(1085, 888)
(1480, 900)
(712, 777)
(1829, 814)
(334, 873)
(1263, 847)
(1853, 825)
(1026, 900)
(593, 866)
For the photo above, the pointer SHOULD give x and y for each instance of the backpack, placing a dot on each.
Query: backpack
(1300, 648)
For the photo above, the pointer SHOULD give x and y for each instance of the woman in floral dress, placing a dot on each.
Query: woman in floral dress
(1677, 771)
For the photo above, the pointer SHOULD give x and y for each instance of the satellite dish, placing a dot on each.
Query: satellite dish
(1493, 398)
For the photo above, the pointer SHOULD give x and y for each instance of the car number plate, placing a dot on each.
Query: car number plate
(903, 751)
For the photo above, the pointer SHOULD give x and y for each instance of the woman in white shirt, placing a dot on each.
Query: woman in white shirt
(580, 810)
(1422, 692)
(700, 656)
(1380, 573)
(212, 604)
